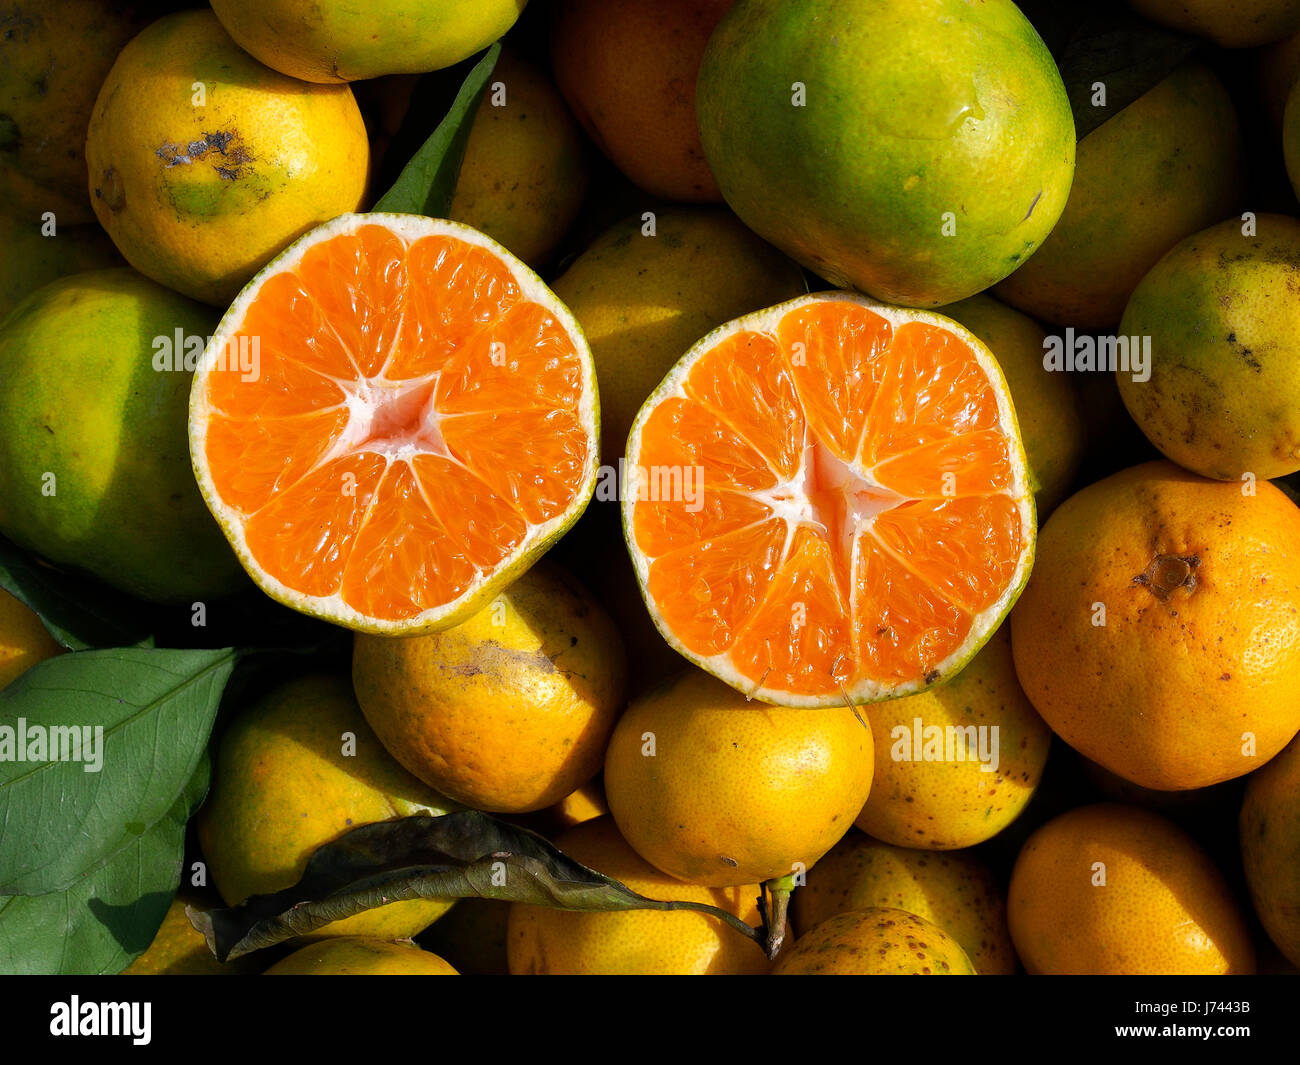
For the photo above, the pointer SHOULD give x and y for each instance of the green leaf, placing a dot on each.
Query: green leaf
(106, 919)
(426, 184)
(78, 612)
(62, 819)
(1123, 53)
(464, 854)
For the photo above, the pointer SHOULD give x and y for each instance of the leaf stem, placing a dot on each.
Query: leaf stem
(775, 913)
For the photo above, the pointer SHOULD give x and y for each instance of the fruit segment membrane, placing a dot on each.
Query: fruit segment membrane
(859, 504)
(414, 414)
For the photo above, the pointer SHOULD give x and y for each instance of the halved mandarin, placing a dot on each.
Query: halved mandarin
(828, 502)
(394, 419)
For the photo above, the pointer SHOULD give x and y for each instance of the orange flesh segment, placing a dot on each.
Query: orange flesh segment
(714, 586)
(412, 414)
(741, 381)
(800, 635)
(855, 513)
(358, 281)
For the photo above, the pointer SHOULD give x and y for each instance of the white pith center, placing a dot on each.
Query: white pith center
(830, 496)
(396, 419)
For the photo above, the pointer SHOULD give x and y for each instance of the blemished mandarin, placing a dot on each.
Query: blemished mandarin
(203, 164)
(955, 891)
(509, 711)
(1219, 394)
(419, 424)
(1114, 889)
(958, 762)
(828, 501)
(1159, 634)
(876, 942)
